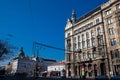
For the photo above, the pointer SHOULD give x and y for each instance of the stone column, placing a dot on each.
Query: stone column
(107, 68)
(86, 69)
(93, 69)
(66, 70)
(72, 70)
(78, 70)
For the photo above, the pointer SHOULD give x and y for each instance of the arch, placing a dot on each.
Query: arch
(103, 68)
(89, 66)
(95, 69)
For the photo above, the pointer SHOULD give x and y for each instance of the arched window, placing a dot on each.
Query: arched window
(95, 69)
(102, 68)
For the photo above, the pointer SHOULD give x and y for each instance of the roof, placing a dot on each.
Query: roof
(57, 63)
(89, 13)
(49, 60)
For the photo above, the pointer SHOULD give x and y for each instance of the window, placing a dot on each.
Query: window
(88, 53)
(91, 24)
(93, 42)
(68, 34)
(100, 41)
(88, 44)
(116, 52)
(113, 42)
(83, 45)
(112, 54)
(79, 45)
(78, 38)
(75, 47)
(118, 6)
(108, 12)
(83, 55)
(74, 39)
(69, 44)
(83, 37)
(87, 35)
(98, 30)
(75, 31)
(68, 41)
(97, 21)
(94, 54)
(111, 31)
(109, 21)
(92, 33)
(100, 51)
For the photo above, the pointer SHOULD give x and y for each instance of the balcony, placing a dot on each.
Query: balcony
(99, 35)
(93, 37)
(86, 60)
(117, 11)
(69, 45)
(116, 61)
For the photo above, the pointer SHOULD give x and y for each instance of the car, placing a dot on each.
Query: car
(100, 77)
(115, 77)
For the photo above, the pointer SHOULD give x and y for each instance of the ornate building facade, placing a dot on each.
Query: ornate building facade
(30, 66)
(93, 42)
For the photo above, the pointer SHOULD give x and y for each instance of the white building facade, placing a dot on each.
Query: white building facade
(56, 66)
(28, 66)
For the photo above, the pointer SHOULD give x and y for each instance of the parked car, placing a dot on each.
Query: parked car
(101, 77)
(115, 77)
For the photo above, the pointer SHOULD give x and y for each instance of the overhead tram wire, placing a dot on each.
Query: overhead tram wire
(53, 47)
(45, 45)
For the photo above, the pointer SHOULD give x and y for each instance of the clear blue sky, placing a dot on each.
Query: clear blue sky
(40, 20)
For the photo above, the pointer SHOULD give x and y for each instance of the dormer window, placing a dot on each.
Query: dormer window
(97, 21)
(118, 6)
(108, 12)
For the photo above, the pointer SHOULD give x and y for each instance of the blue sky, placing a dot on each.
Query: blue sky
(40, 20)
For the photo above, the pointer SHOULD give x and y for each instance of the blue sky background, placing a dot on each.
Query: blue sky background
(40, 20)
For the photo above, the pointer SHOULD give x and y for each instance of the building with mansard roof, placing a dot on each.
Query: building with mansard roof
(93, 42)
(29, 66)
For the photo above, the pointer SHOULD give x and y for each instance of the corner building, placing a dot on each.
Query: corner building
(93, 42)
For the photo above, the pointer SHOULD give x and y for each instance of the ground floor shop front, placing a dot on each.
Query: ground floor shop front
(88, 69)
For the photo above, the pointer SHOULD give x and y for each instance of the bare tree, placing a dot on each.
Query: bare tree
(6, 49)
